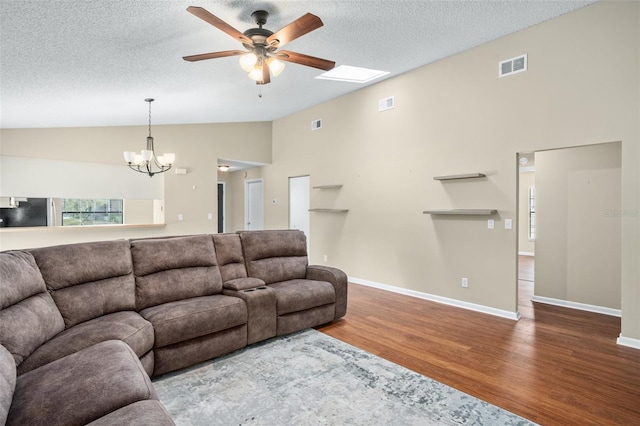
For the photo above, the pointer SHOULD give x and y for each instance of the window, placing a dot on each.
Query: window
(532, 213)
(78, 212)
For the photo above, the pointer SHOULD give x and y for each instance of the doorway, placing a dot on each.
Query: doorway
(221, 207)
(575, 200)
(299, 196)
(253, 204)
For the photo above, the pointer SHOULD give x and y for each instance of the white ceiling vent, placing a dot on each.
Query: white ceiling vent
(316, 124)
(512, 66)
(386, 104)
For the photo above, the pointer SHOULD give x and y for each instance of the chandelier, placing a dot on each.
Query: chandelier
(147, 161)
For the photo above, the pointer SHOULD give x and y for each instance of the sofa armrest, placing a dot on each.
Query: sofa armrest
(339, 281)
(242, 284)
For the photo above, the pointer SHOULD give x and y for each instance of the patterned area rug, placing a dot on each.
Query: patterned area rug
(309, 378)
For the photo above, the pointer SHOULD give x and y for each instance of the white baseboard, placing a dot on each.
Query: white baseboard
(526, 253)
(444, 300)
(628, 341)
(579, 306)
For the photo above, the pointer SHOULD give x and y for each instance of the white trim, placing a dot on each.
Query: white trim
(527, 169)
(576, 305)
(439, 299)
(526, 253)
(628, 341)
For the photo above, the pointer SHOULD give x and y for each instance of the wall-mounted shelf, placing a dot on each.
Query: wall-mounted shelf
(464, 212)
(329, 210)
(327, 187)
(464, 176)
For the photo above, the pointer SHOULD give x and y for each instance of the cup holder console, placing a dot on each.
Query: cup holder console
(249, 290)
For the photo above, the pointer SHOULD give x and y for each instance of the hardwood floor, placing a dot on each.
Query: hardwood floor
(555, 366)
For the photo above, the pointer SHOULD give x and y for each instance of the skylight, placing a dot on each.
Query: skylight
(352, 74)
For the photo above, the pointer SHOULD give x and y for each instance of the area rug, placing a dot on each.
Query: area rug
(309, 378)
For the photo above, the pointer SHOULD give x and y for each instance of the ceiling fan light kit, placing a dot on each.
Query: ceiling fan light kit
(261, 58)
(147, 162)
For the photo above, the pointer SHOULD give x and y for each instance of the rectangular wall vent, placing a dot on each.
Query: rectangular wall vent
(512, 66)
(386, 104)
(316, 124)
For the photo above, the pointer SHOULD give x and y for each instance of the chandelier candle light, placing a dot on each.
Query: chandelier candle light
(147, 161)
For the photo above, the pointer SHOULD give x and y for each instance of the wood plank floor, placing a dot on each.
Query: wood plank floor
(555, 366)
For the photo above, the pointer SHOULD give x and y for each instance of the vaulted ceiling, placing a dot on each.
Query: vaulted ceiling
(69, 63)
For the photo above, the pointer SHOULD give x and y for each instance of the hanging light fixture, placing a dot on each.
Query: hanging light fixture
(146, 161)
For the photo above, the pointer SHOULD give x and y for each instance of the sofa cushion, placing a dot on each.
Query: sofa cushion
(275, 256)
(20, 278)
(7, 382)
(88, 280)
(149, 412)
(298, 295)
(81, 387)
(229, 255)
(171, 269)
(187, 319)
(127, 326)
(29, 317)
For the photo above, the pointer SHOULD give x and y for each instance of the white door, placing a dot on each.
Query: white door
(299, 196)
(253, 204)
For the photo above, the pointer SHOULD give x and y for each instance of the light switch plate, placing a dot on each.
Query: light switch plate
(491, 224)
(508, 224)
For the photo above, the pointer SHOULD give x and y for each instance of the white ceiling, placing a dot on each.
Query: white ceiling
(74, 63)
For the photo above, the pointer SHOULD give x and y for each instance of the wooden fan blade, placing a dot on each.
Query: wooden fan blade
(301, 26)
(218, 23)
(213, 55)
(310, 61)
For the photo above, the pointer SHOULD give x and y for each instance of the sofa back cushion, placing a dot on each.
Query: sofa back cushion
(88, 280)
(177, 268)
(7, 382)
(275, 256)
(229, 255)
(28, 315)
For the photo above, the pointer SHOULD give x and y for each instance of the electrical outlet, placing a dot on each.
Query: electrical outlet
(491, 224)
(326, 258)
(465, 282)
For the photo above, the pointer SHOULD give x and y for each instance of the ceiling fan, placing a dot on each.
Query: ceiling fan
(262, 57)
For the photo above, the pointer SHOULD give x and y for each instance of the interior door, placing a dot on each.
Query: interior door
(254, 204)
(299, 196)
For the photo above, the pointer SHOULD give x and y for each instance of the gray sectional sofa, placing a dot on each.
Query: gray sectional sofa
(83, 327)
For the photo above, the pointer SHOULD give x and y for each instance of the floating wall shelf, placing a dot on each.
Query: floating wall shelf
(464, 212)
(464, 176)
(329, 210)
(327, 187)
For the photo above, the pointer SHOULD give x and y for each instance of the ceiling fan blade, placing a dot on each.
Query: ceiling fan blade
(310, 61)
(218, 23)
(301, 26)
(266, 76)
(213, 55)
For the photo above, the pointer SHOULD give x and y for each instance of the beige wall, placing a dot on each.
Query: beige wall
(457, 116)
(525, 180)
(453, 116)
(579, 233)
(197, 148)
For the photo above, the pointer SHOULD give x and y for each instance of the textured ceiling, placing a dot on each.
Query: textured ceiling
(70, 63)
